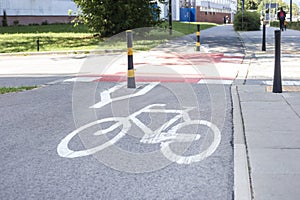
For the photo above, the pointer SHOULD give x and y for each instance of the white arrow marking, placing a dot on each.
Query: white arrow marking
(107, 99)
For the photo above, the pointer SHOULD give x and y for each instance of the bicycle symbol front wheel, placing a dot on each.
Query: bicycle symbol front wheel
(170, 155)
(63, 149)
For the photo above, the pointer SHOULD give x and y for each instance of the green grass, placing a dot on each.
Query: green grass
(189, 27)
(4, 90)
(61, 37)
(48, 42)
(153, 37)
(51, 28)
(52, 38)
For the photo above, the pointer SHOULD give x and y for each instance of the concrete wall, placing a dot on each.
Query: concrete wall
(26, 20)
(37, 7)
(38, 11)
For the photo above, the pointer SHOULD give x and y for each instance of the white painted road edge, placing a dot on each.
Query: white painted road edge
(284, 83)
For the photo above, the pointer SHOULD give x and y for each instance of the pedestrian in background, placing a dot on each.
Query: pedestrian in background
(281, 16)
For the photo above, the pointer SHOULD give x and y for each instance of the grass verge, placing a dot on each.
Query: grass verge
(4, 90)
(63, 37)
(189, 27)
(147, 38)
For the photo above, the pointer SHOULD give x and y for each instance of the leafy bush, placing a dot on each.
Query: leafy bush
(109, 18)
(290, 25)
(16, 22)
(249, 21)
(45, 22)
(274, 23)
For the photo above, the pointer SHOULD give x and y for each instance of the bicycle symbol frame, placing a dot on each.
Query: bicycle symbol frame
(164, 135)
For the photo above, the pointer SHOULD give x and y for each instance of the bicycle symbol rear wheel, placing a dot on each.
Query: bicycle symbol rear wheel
(63, 149)
(170, 155)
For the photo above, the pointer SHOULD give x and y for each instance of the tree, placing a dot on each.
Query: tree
(295, 9)
(110, 17)
(247, 21)
(248, 4)
(262, 6)
(251, 4)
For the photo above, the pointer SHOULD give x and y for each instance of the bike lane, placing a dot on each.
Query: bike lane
(132, 167)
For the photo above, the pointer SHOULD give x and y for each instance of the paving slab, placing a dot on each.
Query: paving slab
(272, 125)
(276, 186)
(273, 139)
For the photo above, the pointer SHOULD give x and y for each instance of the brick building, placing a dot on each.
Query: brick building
(58, 11)
(200, 10)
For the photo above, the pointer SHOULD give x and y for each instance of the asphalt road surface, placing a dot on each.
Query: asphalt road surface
(45, 134)
(170, 138)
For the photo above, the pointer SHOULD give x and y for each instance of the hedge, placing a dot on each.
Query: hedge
(250, 22)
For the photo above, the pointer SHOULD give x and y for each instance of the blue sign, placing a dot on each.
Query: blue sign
(187, 14)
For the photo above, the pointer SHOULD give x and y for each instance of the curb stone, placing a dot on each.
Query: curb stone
(242, 182)
(62, 52)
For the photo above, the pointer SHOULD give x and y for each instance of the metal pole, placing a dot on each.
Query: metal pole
(277, 84)
(291, 10)
(270, 11)
(38, 44)
(170, 16)
(198, 38)
(189, 14)
(130, 75)
(263, 48)
(243, 7)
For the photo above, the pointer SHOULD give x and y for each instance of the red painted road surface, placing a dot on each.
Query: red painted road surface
(173, 60)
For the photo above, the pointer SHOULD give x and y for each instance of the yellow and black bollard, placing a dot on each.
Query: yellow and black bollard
(198, 38)
(130, 75)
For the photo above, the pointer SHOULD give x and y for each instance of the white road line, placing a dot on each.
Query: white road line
(82, 79)
(233, 54)
(285, 83)
(218, 82)
(231, 59)
(205, 48)
(272, 55)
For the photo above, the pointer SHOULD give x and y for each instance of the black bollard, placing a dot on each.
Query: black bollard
(277, 84)
(170, 18)
(263, 48)
(38, 44)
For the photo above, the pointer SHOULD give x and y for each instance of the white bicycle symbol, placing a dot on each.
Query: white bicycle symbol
(164, 135)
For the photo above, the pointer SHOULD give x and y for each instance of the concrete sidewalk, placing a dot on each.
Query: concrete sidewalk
(267, 154)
